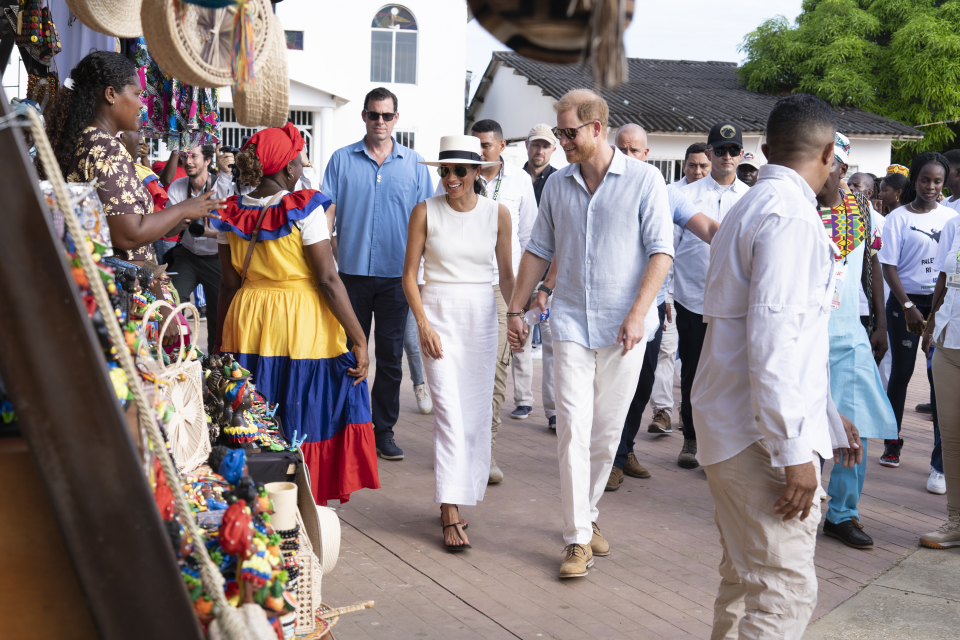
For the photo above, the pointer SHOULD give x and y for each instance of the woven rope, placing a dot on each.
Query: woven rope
(119, 18)
(194, 44)
(210, 576)
(267, 102)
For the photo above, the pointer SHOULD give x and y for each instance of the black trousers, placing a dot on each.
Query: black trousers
(189, 270)
(903, 349)
(691, 332)
(648, 375)
(382, 298)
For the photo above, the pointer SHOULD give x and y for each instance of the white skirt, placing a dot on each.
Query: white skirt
(461, 386)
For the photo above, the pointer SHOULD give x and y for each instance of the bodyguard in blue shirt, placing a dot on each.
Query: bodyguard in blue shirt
(374, 185)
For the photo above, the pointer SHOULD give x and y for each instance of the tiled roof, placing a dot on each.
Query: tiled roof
(678, 95)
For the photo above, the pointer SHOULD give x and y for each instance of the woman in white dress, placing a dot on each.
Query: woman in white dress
(458, 235)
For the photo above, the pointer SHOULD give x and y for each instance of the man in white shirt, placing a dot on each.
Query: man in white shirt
(605, 218)
(761, 396)
(713, 196)
(195, 258)
(696, 166)
(511, 187)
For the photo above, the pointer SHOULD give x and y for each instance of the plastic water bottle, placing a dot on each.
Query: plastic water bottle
(534, 317)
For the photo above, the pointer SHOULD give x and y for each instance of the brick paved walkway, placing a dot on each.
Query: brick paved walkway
(660, 579)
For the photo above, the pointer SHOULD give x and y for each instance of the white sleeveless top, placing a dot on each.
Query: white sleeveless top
(461, 247)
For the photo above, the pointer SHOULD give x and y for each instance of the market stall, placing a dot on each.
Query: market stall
(183, 506)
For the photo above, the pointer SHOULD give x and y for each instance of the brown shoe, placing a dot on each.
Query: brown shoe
(579, 558)
(599, 545)
(688, 455)
(660, 423)
(634, 469)
(615, 480)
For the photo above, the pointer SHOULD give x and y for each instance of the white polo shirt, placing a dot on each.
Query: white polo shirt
(178, 192)
(693, 254)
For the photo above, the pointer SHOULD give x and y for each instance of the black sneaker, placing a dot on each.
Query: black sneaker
(552, 423)
(388, 450)
(522, 412)
(924, 408)
(203, 314)
(849, 532)
(891, 453)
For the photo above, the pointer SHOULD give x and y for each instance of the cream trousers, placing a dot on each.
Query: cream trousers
(594, 388)
(768, 586)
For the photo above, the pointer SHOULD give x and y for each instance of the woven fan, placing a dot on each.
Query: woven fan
(267, 102)
(196, 44)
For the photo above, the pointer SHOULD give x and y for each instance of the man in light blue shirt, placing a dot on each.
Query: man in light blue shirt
(606, 219)
(374, 185)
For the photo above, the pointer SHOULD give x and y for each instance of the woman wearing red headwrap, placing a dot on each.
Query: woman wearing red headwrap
(283, 311)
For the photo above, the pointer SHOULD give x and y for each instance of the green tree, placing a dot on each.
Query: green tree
(896, 58)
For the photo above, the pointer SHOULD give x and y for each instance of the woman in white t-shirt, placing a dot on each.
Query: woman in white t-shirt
(460, 237)
(910, 240)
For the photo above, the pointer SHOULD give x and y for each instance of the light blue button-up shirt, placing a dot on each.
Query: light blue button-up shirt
(373, 206)
(602, 243)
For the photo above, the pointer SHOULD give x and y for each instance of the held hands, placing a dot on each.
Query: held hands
(853, 455)
(631, 332)
(429, 341)
(363, 363)
(797, 498)
(915, 323)
(927, 338)
(517, 333)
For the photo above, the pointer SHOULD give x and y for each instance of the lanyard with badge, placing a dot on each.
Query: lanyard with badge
(496, 190)
(953, 279)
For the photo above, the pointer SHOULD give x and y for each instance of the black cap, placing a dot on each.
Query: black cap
(724, 133)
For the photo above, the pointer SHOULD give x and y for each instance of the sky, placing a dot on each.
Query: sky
(676, 30)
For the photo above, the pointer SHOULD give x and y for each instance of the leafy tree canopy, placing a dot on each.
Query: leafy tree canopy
(896, 58)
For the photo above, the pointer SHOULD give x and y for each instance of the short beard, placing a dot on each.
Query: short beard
(536, 164)
(583, 152)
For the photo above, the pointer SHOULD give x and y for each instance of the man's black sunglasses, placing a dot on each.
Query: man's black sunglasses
(373, 116)
(731, 150)
(459, 169)
(570, 132)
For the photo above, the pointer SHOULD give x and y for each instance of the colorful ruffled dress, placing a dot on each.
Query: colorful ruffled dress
(280, 328)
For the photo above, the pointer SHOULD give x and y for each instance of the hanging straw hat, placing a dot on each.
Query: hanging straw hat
(120, 18)
(195, 44)
(460, 150)
(588, 30)
(266, 103)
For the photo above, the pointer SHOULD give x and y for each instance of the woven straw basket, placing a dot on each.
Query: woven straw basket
(267, 102)
(119, 18)
(194, 43)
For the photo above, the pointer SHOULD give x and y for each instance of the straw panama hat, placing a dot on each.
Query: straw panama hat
(460, 150)
(119, 18)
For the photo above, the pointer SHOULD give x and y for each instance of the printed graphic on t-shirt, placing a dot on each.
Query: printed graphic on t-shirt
(933, 233)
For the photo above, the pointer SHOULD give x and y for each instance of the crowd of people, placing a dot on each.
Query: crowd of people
(792, 297)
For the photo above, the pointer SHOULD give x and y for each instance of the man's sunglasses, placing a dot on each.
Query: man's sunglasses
(460, 170)
(373, 116)
(731, 150)
(570, 132)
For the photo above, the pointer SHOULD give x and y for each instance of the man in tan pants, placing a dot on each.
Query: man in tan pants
(761, 397)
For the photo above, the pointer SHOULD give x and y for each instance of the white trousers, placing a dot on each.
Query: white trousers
(546, 385)
(768, 585)
(661, 398)
(461, 386)
(594, 388)
(522, 369)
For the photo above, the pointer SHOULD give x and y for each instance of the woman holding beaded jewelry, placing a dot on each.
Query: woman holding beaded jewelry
(458, 235)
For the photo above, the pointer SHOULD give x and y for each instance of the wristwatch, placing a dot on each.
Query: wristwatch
(908, 305)
(545, 289)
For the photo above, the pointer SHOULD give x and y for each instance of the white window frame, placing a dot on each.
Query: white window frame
(393, 50)
(663, 165)
(405, 133)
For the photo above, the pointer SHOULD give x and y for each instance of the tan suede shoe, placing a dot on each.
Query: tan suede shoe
(615, 480)
(599, 545)
(634, 469)
(578, 559)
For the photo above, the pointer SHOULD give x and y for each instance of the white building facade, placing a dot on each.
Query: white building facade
(339, 51)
